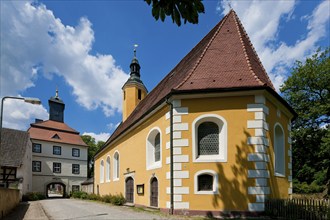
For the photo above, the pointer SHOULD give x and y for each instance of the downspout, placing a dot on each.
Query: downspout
(171, 158)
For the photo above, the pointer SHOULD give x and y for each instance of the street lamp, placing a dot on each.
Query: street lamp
(34, 101)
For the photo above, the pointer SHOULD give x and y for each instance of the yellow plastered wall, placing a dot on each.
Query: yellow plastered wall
(278, 114)
(132, 153)
(130, 96)
(233, 181)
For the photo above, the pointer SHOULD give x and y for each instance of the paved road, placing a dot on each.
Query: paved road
(79, 209)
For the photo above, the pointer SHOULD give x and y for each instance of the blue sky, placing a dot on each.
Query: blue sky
(85, 47)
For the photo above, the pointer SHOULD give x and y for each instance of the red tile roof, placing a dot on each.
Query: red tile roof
(47, 131)
(223, 59)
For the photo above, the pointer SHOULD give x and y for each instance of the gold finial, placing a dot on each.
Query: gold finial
(135, 46)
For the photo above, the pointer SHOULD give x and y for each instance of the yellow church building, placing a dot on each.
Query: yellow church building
(212, 137)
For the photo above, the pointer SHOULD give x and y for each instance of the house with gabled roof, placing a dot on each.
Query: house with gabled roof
(15, 160)
(212, 137)
(59, 155)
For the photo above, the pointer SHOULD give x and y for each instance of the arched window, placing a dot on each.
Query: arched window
(209, 139)
(157, 148)
(116, 166)
(107, 170)
(154, 149)
(279, 152)
(102, 171)
(206, 182)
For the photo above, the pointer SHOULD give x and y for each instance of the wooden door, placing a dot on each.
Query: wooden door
(154, 192)
(130, 190)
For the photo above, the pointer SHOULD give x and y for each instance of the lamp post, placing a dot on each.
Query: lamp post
(34, 101)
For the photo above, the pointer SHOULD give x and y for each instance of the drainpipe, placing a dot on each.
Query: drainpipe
(171, 157)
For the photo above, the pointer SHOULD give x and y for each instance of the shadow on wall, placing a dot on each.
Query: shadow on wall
(233, 193)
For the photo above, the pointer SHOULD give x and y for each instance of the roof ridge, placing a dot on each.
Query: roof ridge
(204, 51)
(238, 23)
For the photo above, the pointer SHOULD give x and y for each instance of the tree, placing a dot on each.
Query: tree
(307, 90)
(188, 10)
(93, 147)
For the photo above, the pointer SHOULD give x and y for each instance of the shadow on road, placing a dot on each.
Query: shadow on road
(18, 212)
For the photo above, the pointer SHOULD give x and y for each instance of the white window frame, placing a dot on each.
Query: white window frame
(279, 148)
(108, 169)
(222, 124)
(116, 166)
(151, 164)
(102, 171)
(215, 182)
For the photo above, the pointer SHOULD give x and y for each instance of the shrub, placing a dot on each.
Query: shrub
(33, 196)
(107, 198)
(118, 199)
(93, 197)
(79, 195)
(305, 188)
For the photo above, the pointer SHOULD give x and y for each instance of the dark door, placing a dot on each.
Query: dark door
(130, 190)
(154, 192)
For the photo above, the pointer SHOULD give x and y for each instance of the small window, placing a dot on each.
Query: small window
(75, 188)
(75, 168)
(36, 166)
(36, 148)
(124, 95)
(75, 152)
(139, 94)
(56, 150)
(56, 167)
(205, 182)
(56, 136)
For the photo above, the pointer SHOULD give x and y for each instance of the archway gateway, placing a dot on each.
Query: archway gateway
(55, 190)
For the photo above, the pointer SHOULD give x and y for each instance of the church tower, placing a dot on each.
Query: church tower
(56, 108)
(133, 90)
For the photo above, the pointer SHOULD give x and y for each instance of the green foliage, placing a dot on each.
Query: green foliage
(79, 195)
(93, 147)
(33, 196)
(118, 199)
(305, 188)
(94, 197)
(188, 10)
(307, 90)
(113, 199)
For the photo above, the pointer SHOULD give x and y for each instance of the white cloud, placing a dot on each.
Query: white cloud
(98, 137)
(261, 20)
(33, 40)
(18, 114)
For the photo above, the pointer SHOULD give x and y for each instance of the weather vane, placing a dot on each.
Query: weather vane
(135, 46)
(229, 4)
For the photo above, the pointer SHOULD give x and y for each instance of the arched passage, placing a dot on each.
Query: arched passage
(55, 190)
